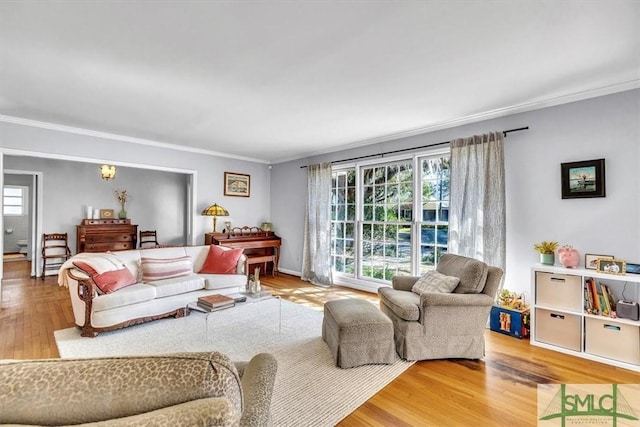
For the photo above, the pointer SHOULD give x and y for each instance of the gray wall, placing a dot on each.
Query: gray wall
(17, 227)
(76, 186)
(157, 199)
(604, 127)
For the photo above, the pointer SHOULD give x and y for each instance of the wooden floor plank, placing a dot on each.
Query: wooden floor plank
(500, 389)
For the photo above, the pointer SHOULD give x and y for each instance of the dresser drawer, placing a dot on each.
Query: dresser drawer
(108, 238)
(104, 247)
(558, 328)
(562, 291)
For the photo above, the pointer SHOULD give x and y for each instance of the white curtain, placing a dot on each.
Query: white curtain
(316, 255)
(477, 218)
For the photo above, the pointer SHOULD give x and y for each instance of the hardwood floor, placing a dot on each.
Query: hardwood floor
(499, 390)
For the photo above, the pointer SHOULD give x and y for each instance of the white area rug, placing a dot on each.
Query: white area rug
(310, 390)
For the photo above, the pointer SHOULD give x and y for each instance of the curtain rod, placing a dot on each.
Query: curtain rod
(504, 134)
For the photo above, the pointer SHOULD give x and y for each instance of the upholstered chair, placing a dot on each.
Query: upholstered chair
(182, 389)
(442, 325)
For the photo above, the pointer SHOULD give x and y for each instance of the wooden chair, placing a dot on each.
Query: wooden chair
(148, 238)
(55, 251)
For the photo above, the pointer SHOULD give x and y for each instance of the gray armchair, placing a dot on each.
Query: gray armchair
(443, 325)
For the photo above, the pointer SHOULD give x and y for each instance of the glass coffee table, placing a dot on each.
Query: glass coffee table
(252, 301)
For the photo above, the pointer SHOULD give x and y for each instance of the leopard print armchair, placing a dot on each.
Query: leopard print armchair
(185, 389)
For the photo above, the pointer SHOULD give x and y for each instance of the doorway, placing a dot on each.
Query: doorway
(20, 213)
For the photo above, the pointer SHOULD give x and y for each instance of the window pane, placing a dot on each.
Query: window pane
(13, 192)
(13, 210)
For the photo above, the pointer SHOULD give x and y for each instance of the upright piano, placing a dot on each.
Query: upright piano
(260, 247)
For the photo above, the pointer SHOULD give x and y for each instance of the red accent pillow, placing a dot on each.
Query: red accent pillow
(220, 261)
(109, 281)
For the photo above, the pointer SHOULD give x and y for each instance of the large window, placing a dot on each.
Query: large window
(385, 238)
(14, 199)
(380, 228)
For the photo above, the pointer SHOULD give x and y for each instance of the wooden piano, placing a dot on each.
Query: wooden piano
(260, 247)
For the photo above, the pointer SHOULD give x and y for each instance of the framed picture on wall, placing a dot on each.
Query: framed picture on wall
(237, 184)
(583, 179)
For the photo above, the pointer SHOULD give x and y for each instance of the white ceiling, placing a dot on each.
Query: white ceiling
(278, 80)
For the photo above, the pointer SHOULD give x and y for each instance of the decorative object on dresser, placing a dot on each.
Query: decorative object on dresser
(122, 197)
(546, 250)
(215, 210)
(101, 235)
(575, 311)
(106, 213)
(583, 179)
(237, 184)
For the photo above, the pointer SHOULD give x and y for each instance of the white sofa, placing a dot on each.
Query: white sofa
(142, 302)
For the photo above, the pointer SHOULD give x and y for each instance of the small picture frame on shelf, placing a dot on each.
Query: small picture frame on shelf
(611, 266)
(591, 260)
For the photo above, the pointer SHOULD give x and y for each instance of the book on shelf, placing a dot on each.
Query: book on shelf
(215, 301)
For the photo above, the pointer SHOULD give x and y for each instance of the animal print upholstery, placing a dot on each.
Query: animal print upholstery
(75, 391)
(258, 378)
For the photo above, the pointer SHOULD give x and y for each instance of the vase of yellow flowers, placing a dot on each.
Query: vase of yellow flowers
(122, 196)
(547, 252)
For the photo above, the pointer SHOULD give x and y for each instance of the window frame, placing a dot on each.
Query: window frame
(23, 200)
(416, 159)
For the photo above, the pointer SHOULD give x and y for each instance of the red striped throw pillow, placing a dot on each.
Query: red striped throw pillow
(158, 268)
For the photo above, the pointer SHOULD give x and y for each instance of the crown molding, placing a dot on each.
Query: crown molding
(122, 138)
(488, 115)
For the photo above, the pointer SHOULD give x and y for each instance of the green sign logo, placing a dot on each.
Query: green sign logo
(582, 406)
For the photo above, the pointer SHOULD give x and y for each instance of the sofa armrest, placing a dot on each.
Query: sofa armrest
(404, 283)
(451, 300)
(86, 293)
(257, 377)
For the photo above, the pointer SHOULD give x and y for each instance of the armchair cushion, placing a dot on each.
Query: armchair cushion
(406, 305)
(432, 281)
(472, 273)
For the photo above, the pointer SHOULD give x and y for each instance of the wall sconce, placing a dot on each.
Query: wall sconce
(215, 211)
(107, 172)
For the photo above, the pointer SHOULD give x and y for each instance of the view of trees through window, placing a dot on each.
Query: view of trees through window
(377, 225)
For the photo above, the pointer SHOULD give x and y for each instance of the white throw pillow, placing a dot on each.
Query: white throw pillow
(432, 281)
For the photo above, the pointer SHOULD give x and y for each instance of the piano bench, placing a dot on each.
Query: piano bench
(261, 259)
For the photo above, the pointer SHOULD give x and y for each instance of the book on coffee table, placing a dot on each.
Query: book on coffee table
(216, 301)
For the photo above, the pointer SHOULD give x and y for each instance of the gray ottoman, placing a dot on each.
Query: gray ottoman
(357, 333)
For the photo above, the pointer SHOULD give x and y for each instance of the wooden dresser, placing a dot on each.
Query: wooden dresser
(101, 235)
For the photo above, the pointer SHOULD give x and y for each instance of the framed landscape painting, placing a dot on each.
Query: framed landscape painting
(583, 179)
(237, 184)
